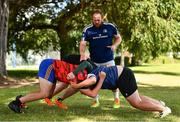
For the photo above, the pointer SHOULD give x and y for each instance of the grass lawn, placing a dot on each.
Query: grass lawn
(158, 81)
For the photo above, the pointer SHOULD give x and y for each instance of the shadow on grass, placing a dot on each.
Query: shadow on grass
(79, 107)
(22, 73)
(149, 72)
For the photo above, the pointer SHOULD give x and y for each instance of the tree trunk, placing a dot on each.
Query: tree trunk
(4, 14)
(63, 35)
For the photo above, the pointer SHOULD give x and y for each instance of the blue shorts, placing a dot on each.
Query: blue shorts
(46, 70)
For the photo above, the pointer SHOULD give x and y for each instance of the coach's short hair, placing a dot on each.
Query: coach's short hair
(97, 11)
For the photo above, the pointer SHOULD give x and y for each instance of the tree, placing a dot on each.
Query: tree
(22, 29)
(149, 28)
(144, 25)
(4, 14)
(59, 16)
(15, 6)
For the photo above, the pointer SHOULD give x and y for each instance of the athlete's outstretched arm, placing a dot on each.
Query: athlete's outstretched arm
(83, 65)
(93, 93)
(88, 82)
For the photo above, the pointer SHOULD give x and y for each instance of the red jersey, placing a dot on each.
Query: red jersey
(63, 68)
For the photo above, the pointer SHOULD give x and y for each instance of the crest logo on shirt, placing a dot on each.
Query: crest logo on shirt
(91, 32)
(88, 32)
(105, 31)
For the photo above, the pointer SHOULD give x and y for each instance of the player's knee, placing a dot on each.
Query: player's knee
(93, 95)
(45, 95)
(62, 86)
(65, 86)
(135, 104)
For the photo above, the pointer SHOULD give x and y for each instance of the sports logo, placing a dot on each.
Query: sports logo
(104, 30)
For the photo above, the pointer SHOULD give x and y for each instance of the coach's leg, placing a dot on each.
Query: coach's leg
(116, 91)
(116, 98)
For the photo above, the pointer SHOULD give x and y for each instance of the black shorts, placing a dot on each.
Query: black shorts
(127, 82)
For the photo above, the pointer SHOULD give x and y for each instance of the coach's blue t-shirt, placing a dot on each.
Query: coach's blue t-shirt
(111, 76)
(99, 39)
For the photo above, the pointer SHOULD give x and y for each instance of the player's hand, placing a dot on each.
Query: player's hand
(70, 76)
(113, 47)
(102, 75)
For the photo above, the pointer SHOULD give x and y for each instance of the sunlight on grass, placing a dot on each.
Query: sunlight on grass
(82, 120)
(160, 75)
(158, 79)
(159, 69)
(26, 67)
(161, 82)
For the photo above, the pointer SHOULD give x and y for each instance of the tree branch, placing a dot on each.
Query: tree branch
(40, 26)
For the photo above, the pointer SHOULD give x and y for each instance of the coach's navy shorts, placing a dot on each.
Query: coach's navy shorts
(46, 70)
(127, 82)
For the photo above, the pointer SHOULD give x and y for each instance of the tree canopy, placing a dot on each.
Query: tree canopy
(148, 27)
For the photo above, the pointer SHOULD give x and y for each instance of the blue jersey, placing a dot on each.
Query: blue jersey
(111, 76)
(99, 39)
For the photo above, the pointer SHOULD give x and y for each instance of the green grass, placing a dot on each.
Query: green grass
(79, 109)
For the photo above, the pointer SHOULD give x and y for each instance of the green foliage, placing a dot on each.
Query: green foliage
(164, 60)
(148, 27)
(37, 40)
(30, 28)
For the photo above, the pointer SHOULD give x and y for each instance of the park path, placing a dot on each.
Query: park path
(16, 83)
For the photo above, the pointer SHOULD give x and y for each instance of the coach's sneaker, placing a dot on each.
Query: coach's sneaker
(116, 103)
(15, 107)
(95, 104)
(60, 105)
(48, 102)
(166, 112)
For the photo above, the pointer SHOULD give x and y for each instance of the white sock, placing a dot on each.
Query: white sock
(96, 98)
(116, 94)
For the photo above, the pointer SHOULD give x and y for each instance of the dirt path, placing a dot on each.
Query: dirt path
(15, 83)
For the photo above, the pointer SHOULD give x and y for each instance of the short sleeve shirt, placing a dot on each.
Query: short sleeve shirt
(111, 76)
(99, 39)
(62, 68)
